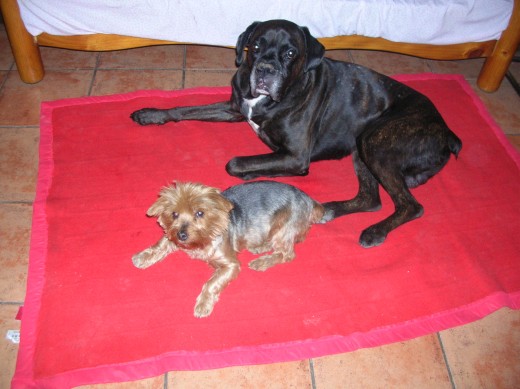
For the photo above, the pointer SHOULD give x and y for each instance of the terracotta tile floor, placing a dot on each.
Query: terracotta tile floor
(484, 354)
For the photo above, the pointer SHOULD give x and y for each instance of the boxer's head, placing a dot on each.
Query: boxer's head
(278, 52)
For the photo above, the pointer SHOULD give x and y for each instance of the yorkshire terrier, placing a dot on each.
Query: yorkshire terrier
(261, 216)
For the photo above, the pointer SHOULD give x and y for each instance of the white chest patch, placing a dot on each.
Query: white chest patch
(250, 103)
(254, 126)
(248, 109)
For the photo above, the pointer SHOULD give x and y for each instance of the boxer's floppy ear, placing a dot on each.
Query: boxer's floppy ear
(314, 50)
(242, 41)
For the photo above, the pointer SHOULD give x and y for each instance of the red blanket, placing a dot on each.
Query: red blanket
(90, 316)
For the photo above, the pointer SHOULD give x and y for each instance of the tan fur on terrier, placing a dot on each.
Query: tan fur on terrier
(262, 216)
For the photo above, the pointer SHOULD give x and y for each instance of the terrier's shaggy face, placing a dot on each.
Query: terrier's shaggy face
(192, 215)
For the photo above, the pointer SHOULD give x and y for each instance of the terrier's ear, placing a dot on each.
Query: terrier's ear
(162, 203)
(221, 203)
(158, 207)
(242, 42)
(225, 204)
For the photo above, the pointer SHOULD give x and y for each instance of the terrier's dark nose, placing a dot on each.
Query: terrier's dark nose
(182, 235)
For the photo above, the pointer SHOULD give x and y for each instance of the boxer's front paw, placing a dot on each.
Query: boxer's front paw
(147, 116)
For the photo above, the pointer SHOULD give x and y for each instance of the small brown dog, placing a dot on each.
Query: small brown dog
(262, 216)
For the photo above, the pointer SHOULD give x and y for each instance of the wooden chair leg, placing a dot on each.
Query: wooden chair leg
(496, 65)
(25, 49)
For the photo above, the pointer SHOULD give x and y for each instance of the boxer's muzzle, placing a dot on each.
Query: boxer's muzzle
(266, 79)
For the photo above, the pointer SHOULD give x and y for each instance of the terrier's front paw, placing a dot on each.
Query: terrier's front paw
(144, 259)
(204, 306)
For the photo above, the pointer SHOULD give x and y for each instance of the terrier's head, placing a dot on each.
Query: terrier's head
(192, 215)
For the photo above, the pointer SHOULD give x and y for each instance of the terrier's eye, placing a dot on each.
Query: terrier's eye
(175, 215)
(256, 47)
(199, 214)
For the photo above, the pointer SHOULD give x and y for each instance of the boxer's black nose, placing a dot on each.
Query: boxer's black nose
(265, 68)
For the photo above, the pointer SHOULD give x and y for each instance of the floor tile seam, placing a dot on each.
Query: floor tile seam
(513, 82)
(94, 73)
(67, 69)
(509, 131)
(430, 66)
(15, 202)
(446, 361)
(18, 126)
(8, 66)
(139, 68)
(219, 70)
(215, 70)
(56, 70)
(183, 78)
(11, 303)
(313, 376)
(7, 72)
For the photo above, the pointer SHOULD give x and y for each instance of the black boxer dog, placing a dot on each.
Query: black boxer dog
(307, 108)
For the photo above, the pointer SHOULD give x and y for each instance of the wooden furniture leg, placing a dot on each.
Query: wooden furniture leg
(25, 49)
(496, 65)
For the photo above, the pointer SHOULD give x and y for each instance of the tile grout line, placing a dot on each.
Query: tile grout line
(94, 73)
(313, 378)
(133, 68)
(15, 126)
(514, 83)
(446, 362)
(195, 69)
(350, 57)
(429, 66)
(165, 380)
(7, 73)
(184, 54)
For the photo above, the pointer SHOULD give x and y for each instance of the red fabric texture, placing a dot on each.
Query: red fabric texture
(90, 316)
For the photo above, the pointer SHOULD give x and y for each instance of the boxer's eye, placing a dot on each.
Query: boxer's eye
(291, 54)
